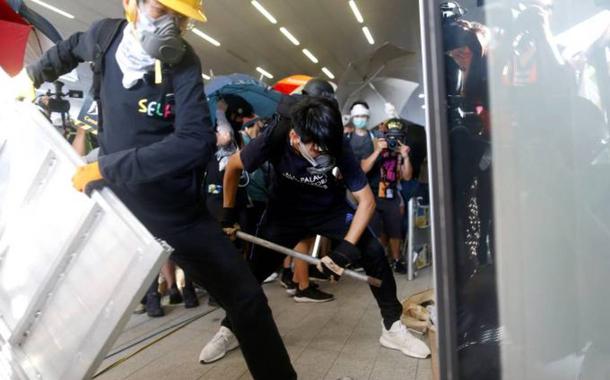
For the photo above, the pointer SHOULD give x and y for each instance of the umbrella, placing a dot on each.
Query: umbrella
(404, 95)
(25, 34)
(291, 84)
(388, 61)
(263, 99)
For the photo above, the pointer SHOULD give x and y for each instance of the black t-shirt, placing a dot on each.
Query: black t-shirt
(294, 188)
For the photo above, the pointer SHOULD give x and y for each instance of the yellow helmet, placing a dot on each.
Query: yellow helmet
(189, 8)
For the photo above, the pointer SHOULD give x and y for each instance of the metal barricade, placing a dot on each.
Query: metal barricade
(71, 267)
(416, 247)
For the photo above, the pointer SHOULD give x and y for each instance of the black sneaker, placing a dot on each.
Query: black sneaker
(399, 267)
(286, 279)
(153, 305)
(174, 295)
(312, 294)
(190, 297)
(316, 275)
(291, 287)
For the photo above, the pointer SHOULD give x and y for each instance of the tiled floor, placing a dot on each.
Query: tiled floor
(325, 341)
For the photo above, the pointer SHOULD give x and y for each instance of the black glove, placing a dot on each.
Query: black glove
(343, 256)
(228, 217)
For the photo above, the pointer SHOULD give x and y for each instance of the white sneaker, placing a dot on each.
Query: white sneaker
(399, 338)
(223, 342)
(272, 277)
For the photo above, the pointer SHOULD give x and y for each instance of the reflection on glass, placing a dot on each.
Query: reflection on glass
(528, 86)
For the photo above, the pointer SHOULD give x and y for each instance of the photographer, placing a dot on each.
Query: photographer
(387, 162)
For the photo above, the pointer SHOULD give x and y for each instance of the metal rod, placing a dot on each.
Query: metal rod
(308, 259)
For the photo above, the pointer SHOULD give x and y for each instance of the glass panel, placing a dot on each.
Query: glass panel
(528, 93)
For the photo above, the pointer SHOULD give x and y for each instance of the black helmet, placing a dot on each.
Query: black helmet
(318, 87)
(451, 11)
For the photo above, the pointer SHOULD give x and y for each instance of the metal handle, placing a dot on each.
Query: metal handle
(311, 260)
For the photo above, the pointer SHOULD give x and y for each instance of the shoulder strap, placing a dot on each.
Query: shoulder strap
(107, 32)
(281, 127)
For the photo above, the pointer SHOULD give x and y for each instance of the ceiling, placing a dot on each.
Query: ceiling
(248, 40)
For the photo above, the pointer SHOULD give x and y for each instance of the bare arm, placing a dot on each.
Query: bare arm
(406, 169)
(231, 180)
(363, 215)
(368, 163)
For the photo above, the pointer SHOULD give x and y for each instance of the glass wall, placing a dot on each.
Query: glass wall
(521, 139)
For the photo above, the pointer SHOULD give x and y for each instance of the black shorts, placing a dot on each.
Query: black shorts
(387, 218)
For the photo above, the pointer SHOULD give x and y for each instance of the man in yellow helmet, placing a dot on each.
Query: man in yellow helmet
(155, 140)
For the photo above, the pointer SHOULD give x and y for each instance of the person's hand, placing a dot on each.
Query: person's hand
(231, 231)
(343, 256)
(222, 105)
(228, 222)
(381, 144)
(88, 178)
(22, 87)
(404, 150)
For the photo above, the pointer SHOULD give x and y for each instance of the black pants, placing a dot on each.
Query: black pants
(288, 230)
(207, 256)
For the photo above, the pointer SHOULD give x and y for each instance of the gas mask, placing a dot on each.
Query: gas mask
(360, 122)
(319, 165)
(161, 38)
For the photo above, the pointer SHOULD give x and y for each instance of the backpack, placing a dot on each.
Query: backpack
(105, 35)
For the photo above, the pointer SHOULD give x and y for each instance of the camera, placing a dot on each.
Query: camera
(54, 102)
(396, 134)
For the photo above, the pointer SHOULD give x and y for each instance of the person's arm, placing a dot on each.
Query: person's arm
(80, 141)
(65, 56)
(363, 215)
(406, 168)
(368, 163)
(231, 180)
(189, 146)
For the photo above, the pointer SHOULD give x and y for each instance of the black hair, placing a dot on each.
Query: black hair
(362, 103)
(318, 120)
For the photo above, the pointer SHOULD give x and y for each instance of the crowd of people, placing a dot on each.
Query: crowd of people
(194, 184)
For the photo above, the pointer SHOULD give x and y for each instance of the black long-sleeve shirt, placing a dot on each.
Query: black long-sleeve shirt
(156, 138)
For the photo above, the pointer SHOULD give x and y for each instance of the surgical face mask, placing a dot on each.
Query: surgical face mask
(319, 165)
(360, 122)
(161, 38)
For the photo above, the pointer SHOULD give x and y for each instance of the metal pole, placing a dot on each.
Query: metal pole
(308, 259)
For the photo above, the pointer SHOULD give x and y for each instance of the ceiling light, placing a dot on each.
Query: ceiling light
(265, 12)
(310, 56)
(289, 36)
(264, 72)
(356, 11)
(367, 34)
(206, 37)
(54, 9)
(206, 77)
(328, 73)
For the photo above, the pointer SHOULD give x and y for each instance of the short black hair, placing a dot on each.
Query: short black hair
(362, 103)
(318, 120)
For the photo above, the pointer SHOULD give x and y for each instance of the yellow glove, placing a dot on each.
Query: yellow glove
(87, 175)
(22, 86)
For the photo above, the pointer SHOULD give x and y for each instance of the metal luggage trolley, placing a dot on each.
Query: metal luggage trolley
(416, 247)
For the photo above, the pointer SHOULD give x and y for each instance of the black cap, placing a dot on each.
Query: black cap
(236, 105)
(318, 87)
